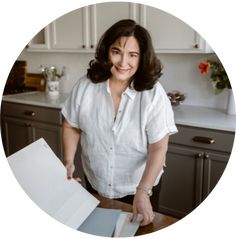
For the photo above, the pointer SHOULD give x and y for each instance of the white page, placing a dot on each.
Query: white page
(43, 177)
(126, 228)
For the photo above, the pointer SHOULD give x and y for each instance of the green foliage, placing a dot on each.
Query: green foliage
(219, 76)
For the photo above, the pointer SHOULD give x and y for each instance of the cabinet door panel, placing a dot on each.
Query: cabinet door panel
(16, 135)
(214, 166)
(68, 32)
(168, 32)
(106, 14)
(40, 41)
(181, 182)
(52, 135)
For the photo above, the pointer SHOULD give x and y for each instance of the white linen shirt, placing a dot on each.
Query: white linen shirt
(114, 148)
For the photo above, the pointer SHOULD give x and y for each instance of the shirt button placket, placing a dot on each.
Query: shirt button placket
(110, 168)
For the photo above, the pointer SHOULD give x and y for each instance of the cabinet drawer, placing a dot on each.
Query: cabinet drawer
(30, 112)
(204, 138)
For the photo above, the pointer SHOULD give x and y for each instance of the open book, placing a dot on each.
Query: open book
(43, 177)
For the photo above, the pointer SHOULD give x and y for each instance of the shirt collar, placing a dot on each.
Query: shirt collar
(130, 91)
(107, 86)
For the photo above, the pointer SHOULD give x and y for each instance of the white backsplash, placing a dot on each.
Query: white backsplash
(180, 72)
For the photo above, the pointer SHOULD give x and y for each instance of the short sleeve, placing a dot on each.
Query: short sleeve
(160, 119)
(70, 109)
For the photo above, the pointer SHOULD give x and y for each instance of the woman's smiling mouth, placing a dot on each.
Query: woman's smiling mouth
(122, 70)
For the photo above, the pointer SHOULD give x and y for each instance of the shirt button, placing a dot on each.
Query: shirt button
(109, 185)
(110, 148)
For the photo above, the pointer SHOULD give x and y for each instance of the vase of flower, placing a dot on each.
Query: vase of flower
(53, 88)
(231, 103)
(52, 77)
(220, 81)
(218, 75)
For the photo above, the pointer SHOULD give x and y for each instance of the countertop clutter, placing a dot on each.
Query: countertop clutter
(184, 114)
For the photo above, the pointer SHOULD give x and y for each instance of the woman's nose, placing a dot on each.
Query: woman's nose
(123, 60)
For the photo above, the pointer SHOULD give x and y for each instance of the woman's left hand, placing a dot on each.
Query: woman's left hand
(142, 205)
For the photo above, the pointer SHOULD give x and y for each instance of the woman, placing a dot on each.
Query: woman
(122, 117)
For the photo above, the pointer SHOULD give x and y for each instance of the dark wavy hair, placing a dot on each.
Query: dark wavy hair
(149, 70)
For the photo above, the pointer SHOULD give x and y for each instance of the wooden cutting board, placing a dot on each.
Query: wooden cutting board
(36, 81)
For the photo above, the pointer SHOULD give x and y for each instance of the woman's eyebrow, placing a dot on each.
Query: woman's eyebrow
(118, 49)
(115, 48)
(134, 52)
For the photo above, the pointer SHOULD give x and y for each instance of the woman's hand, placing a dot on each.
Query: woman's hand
(142, 205)
(70, 168)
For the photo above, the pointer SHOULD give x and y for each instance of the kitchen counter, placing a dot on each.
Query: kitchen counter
(204, 117)
(184, 114)
(37, 98)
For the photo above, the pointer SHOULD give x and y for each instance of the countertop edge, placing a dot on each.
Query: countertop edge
(49, 105)
(188, 115)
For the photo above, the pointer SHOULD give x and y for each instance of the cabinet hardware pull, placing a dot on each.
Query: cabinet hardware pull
(205, 140)
(91, 46)
(29, 113)
(83, 46)
(206, 156)
(199, 155)
(196, 46)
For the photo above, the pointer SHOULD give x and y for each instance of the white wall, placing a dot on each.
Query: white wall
(180, 73)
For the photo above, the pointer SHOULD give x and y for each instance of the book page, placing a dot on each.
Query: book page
(43, 177)
(126, 228)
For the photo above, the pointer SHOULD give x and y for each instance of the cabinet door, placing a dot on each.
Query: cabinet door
(181, 182)
(70, 32)
(214, 166)
(103, 15)
(170, 34)
(16, 134)
(52, 135)
(40, 41)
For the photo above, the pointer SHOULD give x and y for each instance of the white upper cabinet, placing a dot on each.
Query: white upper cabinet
(80, 30)
(105, 14)
(70, 32)
(40, 42)
(170, 34)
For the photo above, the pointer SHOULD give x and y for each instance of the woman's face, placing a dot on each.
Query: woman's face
(124, 55)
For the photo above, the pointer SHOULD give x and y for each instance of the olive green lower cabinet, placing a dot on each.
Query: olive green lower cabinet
(195, 161)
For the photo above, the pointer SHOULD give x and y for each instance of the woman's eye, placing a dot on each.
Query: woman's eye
(133, 55)
(114, 52)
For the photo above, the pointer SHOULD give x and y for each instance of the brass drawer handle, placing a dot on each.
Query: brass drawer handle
(202, 139)
(29, 113)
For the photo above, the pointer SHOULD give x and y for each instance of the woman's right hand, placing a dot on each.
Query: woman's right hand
(70, 168)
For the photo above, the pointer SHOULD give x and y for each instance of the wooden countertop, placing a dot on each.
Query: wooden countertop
(160, 221)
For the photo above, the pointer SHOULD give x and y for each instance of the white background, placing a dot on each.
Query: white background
(20, 21)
